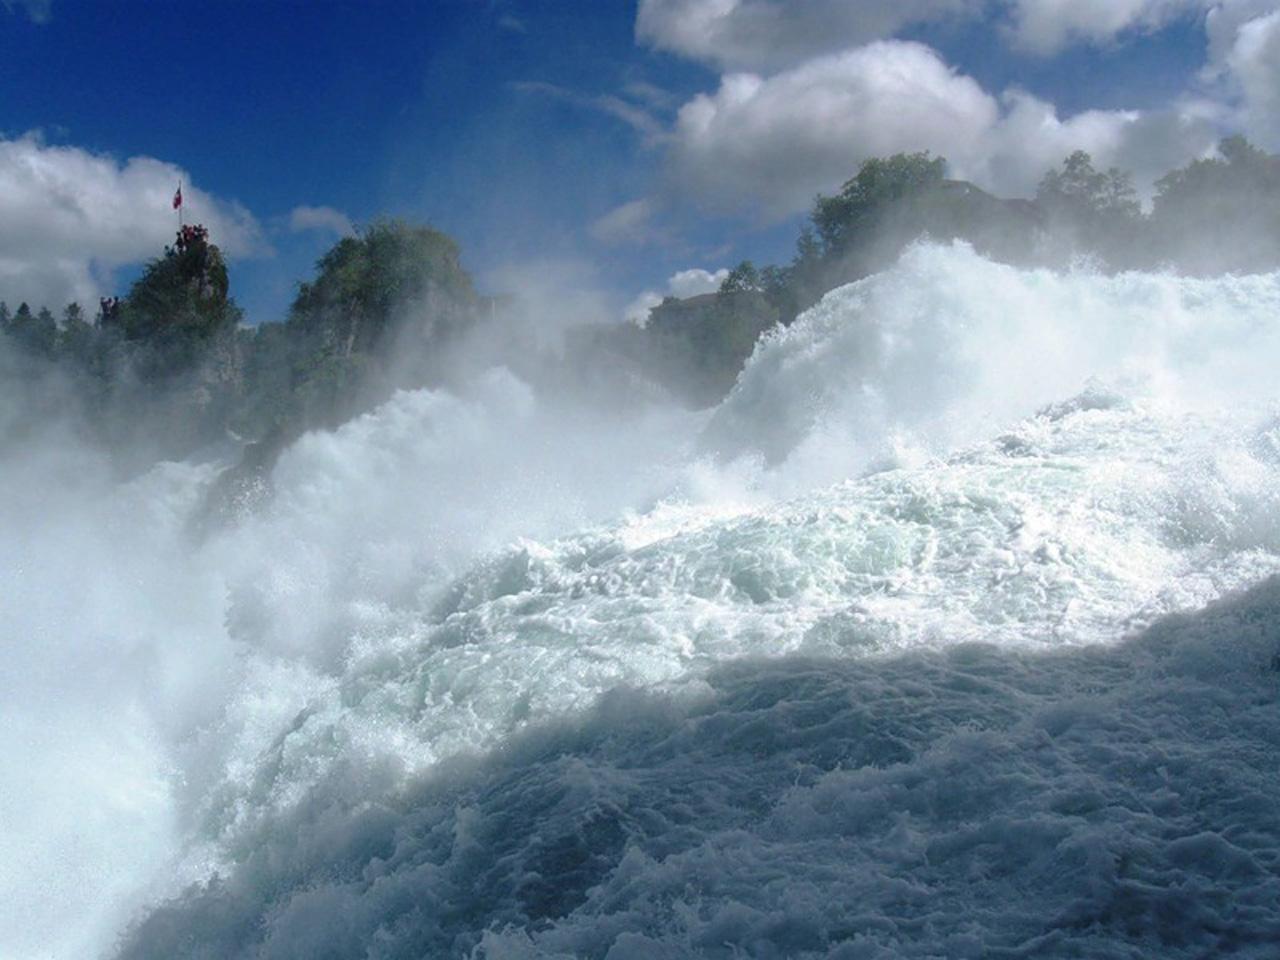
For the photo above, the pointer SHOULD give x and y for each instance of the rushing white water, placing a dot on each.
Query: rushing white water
(875, 660)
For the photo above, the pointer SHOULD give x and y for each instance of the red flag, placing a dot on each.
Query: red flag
(177, 198)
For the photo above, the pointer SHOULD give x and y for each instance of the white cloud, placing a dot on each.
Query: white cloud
(770, 34)
(777, 141)
(772, 143)
(320, 218)
(801, 118)
(685, 283)
(691, 283)
(1223, 23)
(1046, 26)
(70, 217)
(1030, 137)
(1253, 64)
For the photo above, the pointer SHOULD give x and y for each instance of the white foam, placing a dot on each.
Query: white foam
(448, 572)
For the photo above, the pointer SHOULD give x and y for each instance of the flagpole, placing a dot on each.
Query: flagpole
(179, 205)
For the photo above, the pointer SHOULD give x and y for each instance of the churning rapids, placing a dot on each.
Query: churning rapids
(950, 633)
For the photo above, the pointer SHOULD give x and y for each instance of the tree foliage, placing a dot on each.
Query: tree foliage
(364, 281)
(169, 366)
(181, 297)
(37, 333)
(1080, 190)
(1221, 213)
(855, 211)
(744, 276)
(1091, 211)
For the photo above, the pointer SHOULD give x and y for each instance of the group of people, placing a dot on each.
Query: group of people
(107, 309)
(189, 236)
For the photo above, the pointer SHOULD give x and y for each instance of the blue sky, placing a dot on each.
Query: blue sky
(614, 144)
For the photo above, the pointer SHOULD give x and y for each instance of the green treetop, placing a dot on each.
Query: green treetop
(180, 297)
(855, 210)
(364, 281)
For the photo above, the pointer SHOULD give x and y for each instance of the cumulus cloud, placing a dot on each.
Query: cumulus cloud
(768, 34)
(1243, 49)
(1046, 26)
(71, 217)
(691, 283)
(1030, 137)
(320, 218)
(774, 142)
(780, 139)
(1253, 64)
(1223, 23)
(683, 284)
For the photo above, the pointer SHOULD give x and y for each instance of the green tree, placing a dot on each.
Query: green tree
(77, 338)
(181, 300)
(37, 333)
(1092, 210)
(44, 334)
(383, 302)
(744, 276)
(808, 248)
(775, 284)
(804, 276)
(1221, 213)
(365, 283)
(1081, 190)
(855, 212)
